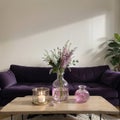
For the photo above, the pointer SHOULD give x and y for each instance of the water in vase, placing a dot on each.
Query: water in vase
(60, 94)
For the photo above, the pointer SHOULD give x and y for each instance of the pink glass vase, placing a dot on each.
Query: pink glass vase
(81, 95)
(60, 91)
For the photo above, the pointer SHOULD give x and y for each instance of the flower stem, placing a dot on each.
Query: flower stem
(60, 77)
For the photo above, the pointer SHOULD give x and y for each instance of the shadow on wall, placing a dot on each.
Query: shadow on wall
(98, 54)
(27, 17)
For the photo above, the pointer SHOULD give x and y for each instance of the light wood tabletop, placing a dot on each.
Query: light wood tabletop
(95, 104)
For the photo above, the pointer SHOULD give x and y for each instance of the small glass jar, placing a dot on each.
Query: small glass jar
(40, 95)
(81, 95)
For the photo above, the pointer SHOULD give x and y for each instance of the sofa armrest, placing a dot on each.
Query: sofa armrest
(7, 78)
(111, 78)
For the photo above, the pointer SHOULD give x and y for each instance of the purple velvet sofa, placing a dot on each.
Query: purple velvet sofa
(18, 81)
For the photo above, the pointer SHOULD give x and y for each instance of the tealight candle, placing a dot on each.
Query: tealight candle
(41, 98)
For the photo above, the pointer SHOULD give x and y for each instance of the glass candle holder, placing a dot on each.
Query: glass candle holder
(40, 95)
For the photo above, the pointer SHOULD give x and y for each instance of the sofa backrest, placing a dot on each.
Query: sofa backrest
(32, 74)
(41, 74)
(85, 74)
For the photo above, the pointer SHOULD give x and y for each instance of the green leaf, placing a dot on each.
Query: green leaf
(109, 54)
(119, 51)
(114, 60)
(117, 37)
(113, 51)
(113, 44)
(110, 49)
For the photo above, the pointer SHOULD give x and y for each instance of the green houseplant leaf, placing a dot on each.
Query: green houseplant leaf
(113, 44)
(117, 37)
(113, 52)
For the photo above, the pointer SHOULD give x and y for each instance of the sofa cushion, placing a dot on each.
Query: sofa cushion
(85, 74)
(20, 89)
(110, 78)
(32, 74)
(7, 79)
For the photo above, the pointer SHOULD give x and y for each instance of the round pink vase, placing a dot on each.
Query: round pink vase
(81, 95)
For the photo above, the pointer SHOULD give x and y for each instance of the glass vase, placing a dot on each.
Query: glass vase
(81, 95)
(60, 90)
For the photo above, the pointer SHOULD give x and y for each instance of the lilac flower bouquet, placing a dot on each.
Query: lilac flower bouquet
(60, 59)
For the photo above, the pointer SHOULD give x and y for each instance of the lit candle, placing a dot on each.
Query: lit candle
(41, 98)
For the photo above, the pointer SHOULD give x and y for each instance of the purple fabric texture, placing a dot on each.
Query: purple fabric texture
(85, 74)
(21, 90)
(32, 74)
(111, 78)
(7, 79)
(20, 80)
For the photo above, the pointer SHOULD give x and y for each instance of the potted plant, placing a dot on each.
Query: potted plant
(113, 52)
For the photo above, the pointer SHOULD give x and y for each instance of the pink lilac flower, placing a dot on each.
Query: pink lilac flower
(60, 59)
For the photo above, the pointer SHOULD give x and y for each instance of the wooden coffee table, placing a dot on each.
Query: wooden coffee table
(95, 104)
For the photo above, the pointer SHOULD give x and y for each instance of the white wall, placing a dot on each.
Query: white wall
(28, 27)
